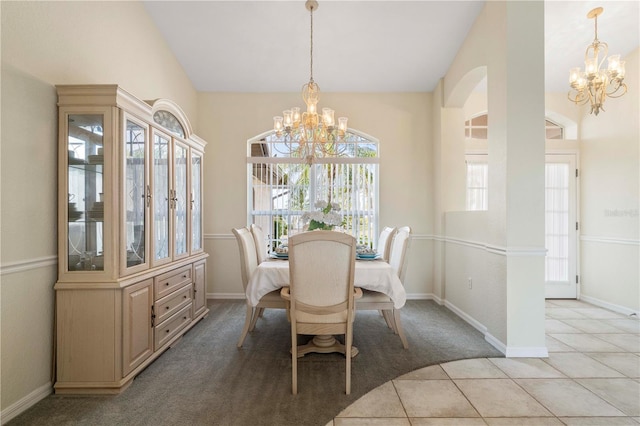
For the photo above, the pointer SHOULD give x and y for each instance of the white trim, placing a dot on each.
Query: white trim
(28, 265)
(609, 240)
(527, 352)
(611, 306)
(421, 296)
(219, 237)
(230, 296)
(26, 402)
(502, 251)
(468, 318)
(493, 341)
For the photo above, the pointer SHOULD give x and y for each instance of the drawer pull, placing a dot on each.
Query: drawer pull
(168, 307)
(185, 318)
(166, 284)
(185, 296)
(184, 276)
(168, 331)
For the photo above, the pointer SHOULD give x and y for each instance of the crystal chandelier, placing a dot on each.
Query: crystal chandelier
(595, 85)
(310, 134)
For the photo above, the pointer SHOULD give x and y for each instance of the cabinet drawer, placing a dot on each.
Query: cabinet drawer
(171, 304)
(172, 326)
(170, 281)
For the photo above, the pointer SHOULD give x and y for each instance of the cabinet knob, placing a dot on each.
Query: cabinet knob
(184, 297)
(168, 308)
(185, 318)
(166, 284)
(184, 276)
(168, 331)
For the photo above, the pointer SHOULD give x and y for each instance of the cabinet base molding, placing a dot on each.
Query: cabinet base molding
(115, 388)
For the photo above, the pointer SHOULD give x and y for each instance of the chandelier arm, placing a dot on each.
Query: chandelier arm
(618, 87)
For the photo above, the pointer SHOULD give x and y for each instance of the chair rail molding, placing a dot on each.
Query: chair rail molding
(610, 240)
(495, 249)
(28, 264)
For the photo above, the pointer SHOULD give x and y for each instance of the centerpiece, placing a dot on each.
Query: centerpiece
(326, 217)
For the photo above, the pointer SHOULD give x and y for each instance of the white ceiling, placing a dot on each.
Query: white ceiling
(362, 46)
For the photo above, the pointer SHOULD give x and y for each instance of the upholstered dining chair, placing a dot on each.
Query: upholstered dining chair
(248, 264)
(260, 242)
(321, 291)
(373, 300)
(384, 242)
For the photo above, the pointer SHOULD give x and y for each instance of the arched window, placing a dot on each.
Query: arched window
(476, 128)
(283, 185)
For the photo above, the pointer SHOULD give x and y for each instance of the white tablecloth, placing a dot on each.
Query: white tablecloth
(371, 275)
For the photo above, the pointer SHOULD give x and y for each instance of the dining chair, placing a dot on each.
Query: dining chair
(248, 264)
(384, 242)
(373, 300)
(321, 291)
(260, 242)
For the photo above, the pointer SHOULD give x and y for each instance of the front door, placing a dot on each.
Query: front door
(561, 227)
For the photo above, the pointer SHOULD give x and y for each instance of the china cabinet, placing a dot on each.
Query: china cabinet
(132, 269)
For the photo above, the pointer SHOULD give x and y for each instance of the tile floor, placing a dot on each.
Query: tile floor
(592, 377)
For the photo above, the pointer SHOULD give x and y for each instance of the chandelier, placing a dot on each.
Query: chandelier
(310, 134)
(595, 85)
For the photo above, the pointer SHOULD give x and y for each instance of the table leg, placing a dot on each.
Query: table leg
(324, 344)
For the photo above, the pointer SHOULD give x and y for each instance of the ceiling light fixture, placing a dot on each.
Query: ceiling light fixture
(595, 85)
(310, 133)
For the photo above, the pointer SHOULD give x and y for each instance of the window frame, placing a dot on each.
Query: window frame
(272, 168)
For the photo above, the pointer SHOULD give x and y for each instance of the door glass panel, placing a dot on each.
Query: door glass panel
(196, 202)
(180, 200)
(85, 210)
(161, 197)
(557, 221)
(135, 196)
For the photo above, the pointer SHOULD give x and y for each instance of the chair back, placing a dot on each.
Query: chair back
(384, 242)
(260, 242)
(248, 258)
(398, 252)
(321, 272)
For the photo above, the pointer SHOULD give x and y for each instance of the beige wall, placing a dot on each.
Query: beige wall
(610, 198)
(501, 251)
(401, 122)
(43, 44)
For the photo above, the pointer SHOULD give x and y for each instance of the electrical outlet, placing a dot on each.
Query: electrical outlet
(470, 282)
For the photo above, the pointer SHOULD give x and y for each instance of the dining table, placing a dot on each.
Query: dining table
(370, 274)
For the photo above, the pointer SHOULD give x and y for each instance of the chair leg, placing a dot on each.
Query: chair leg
(257, 313)
(398, 327)
(347, 353)
(294, 362)
(247, 323)
(388, 319)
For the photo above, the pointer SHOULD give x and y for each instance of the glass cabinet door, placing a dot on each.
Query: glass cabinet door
(85, 211)
(196, 201)
(136, 193)
(160, 200)
(180, 199)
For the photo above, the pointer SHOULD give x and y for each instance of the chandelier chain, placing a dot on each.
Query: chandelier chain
(311, 48)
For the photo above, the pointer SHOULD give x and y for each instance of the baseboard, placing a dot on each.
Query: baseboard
(493, 341)
(468, 318)
(241, 296)
(527, 352)
(25, 403)
(421, 296)
(610, 306)
(232, 296)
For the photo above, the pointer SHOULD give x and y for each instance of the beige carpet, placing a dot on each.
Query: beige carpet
(206, 380)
